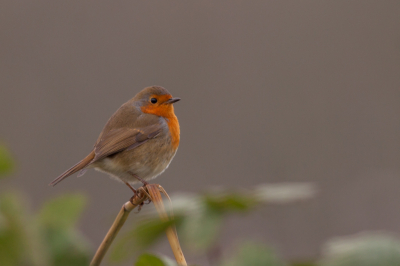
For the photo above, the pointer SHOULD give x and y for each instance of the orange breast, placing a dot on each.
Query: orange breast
(174, 129)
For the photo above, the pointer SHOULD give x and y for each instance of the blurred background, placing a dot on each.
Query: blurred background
(272, 91)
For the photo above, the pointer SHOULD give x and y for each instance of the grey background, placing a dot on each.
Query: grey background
(272, 91)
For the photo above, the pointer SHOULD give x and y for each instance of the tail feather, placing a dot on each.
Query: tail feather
(79, 166)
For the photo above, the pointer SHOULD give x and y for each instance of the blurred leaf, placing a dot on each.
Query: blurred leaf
(57, 219)
(154, 260)
(37, 251)
(20, 241)
(200, 229)
(203, 217)
(11, 235)
(200, 217)
(364, 249)
(67, 247)
(148, 232)
(142, 236)
(283, 193)
(303, 264)
(3, 222)
(6, 161)
(254, 255)
(149, 259)
(62, 212)
(229, 202)
(50, 237)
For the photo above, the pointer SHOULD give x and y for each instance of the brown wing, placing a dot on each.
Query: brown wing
(124, 139)
(114, 141)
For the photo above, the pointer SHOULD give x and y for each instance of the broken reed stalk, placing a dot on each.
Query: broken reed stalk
(116, 226)
(154, 191)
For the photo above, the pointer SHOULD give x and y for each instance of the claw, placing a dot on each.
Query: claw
(140, 207)
(148, 201)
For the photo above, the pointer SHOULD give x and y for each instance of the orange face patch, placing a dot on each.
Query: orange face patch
(167, 111)
(159, 108)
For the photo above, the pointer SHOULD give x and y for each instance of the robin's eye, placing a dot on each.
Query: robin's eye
(153, 100)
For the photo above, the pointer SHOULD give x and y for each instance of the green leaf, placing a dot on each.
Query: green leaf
(254, 255)
(6, 161)
(142, 236)
(57, 219)
(67, 247)
(43, 241)
(62, 212)
(149, 259)
(12, 237)
(154, 260)
(229, 202)
(149, 232)
(200, 229)
(365, 249)
(20, 241)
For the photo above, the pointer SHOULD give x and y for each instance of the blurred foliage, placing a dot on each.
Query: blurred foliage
(13, 240)
(145, 234)
(229, 202)
(367, 249)
(303, 264)
(50, 237)
(57, 220)
(199, 220)
(46, 238)
(6, 162)
(147, 259)
(255, 255)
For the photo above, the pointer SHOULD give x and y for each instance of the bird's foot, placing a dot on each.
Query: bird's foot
(143, 189)
(139, 193)
(147, 201)
(135, 192)
(140, 207)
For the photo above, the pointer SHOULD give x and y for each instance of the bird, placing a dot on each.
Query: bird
(137, 143)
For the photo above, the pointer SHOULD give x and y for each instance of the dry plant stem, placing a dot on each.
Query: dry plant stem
(154, 191)
(116, 226)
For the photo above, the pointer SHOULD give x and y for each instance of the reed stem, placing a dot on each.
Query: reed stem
(154, 191)
(116, 226)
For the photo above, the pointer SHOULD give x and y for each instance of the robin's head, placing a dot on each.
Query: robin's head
(157, 101)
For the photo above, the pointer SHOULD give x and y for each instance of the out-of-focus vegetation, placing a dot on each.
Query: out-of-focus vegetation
(199, 220)
(6, 162)
(49, 237)
(367, 249)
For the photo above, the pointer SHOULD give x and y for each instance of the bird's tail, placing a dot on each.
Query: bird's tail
(79, 166)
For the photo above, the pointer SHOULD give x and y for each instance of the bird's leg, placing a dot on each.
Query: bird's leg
(144, 184)
(139, 178)
(135, 192)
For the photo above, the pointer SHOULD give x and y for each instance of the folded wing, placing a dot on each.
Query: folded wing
(115, 141)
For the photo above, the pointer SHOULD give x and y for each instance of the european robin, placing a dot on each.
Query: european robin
(138, 142)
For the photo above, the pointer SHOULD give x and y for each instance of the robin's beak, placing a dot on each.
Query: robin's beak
(172, 100)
